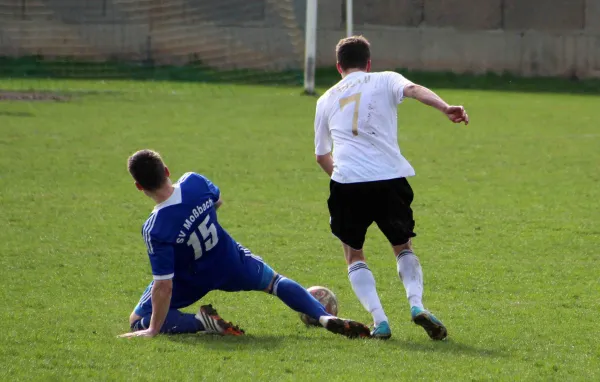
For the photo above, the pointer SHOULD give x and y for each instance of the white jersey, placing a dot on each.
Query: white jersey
(360, 115)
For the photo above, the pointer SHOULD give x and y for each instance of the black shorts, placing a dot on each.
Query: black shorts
(354, 206)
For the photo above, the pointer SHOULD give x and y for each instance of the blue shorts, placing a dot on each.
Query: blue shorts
(243, 271)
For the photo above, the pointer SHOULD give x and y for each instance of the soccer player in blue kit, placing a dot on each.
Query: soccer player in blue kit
(191, 255)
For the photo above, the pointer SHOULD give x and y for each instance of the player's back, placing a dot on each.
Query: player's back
(360, 115)
(184, 238)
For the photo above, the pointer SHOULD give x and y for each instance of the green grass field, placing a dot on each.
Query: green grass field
(507, 210)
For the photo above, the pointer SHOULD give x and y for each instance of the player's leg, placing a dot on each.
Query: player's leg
(397, 224)
(175, 323)
(214, 324)
(290, 292)
(411, 274)
(350, 218)
(293, 295)
(364, 287)
(299, 299)
(206, 320)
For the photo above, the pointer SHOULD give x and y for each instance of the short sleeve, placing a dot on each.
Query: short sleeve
(162, 258)
(397, 82)
(214, 190)
(322, 134)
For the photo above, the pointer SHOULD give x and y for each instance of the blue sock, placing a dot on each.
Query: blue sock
(297, 298)
(175, 323)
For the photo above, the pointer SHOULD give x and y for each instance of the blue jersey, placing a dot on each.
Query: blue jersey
(185, 241)
(187, 244)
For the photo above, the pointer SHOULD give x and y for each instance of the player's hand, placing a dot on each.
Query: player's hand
(139, 333)
(457, 114)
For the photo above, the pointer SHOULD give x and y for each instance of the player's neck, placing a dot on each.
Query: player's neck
(162, 193)
(350, 71)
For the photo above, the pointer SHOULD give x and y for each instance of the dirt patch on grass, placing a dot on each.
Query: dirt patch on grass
(9, 95)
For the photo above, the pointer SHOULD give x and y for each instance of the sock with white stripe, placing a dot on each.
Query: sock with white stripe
(296, 297)
(175, 323)
(411, 274)
(363, 284)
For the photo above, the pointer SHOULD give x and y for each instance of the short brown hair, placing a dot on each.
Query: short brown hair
(353, 52)
(148, 169)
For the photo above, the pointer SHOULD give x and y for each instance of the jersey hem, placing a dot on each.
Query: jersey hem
(370, 179)
(164, 277)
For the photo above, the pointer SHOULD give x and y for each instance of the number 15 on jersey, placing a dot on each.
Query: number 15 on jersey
(209, 237)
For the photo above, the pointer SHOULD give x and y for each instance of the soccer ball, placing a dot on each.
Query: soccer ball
(325, 297)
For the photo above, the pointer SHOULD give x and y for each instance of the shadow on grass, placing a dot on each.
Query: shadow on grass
(229, 342)
(37, 67)
(271, 342)
(447, 346)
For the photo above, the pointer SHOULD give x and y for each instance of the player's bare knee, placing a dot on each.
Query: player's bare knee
(353, 255)
(402, 247)
(353, 258)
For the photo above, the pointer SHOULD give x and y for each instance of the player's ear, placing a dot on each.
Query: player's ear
(139, 186)
(339, 68)
(167, 172)
(368, 66)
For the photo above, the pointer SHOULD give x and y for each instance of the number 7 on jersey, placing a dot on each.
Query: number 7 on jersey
(345, 101)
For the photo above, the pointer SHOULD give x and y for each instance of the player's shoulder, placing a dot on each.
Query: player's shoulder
(384, 75)
(387, 73)
(189, 177)
(324, 97)
(160, 227)
(150, 221)
(392, 76)
(163, 224)
(152, 227)
(192, 179)
(196, 186)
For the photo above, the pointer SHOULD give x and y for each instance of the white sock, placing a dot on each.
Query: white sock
(363, 284)
(411, 274)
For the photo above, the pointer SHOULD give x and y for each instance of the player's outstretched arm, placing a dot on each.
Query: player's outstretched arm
(456, 114)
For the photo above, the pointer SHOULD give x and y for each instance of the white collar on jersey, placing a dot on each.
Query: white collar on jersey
(354, 74)
(175, 198)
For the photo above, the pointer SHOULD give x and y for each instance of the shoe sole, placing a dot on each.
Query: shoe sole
(382, 337)
(223, 327)
(435, 331)
(348, 328)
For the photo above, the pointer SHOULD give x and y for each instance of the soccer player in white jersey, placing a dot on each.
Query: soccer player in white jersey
(358, 116)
